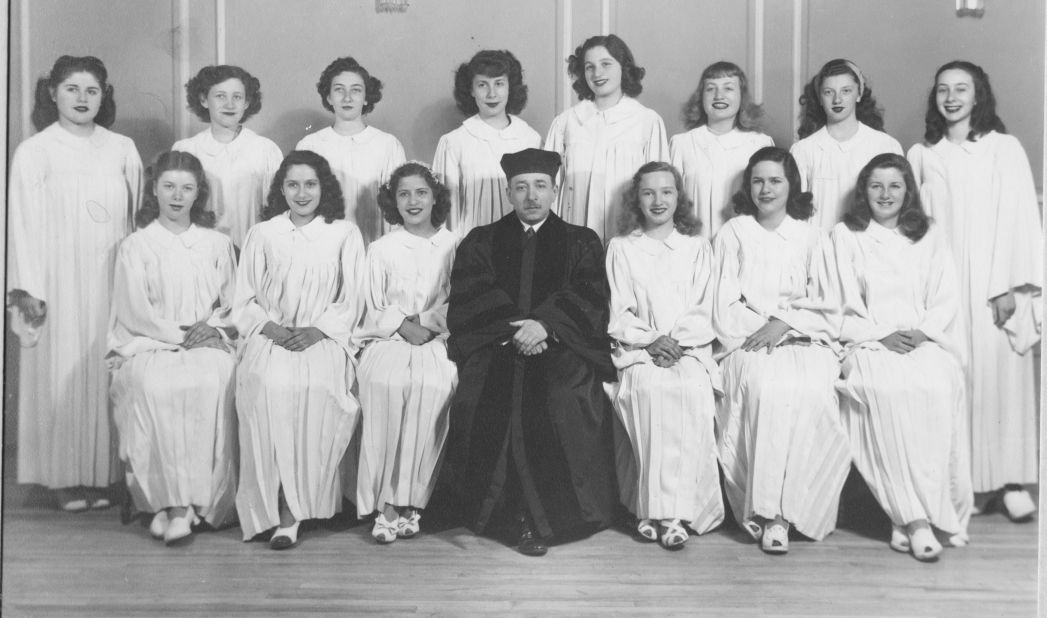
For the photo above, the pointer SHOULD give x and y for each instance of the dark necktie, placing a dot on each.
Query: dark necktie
(523, 302)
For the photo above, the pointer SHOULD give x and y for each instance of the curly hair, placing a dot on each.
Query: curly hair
(631, 216)
(813, 115)
(983, 116)
(632, 75)
(331, 206)
(800, 204)
(387, 194)
(913, 222)
(749, 113)
(372, 85)
(200, 85)
(490, 63)
(45, 110)
(175, 160)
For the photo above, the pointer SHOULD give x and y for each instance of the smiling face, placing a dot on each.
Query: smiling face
(769, 188)
(885, 193)
(414, 201)
(226, 103)
(491, 95)
(302, 190)
(955, 95)
(78, 98)
(348, 96)
(658, 199)
(532, 196)
(839, 97)
(603, 73)
(175, 192)
(721, 98)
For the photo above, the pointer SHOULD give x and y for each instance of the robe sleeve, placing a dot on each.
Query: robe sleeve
(556, 141)
(397, 157)
(343, 315)
(479, 311)
(624, 325)
(435, 317)
(136, 325)
(135, 179)
(816, 314)
(803, 162)
(857, 324)
(695, 327)
(248, 314)
(1017, 260)
(733, 318)
(273, 159)
(221, 315)
(657, 146)
(27, 203)
(447, 166)
(381, 318)
(941, 318)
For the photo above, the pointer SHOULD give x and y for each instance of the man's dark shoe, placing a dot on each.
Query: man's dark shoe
(530, 543)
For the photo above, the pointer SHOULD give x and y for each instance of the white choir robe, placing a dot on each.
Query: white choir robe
(174, 407)
(239, 174)
(712, 166)
(296, 412)
(829, 168)
(906, 413)
(405, 389)
(362, 163)
(71, 200)
(983, 195)
(468, 162)
(664, 287)
(782, 446)
(601, 151)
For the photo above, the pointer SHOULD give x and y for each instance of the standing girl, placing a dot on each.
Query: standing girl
(606, 137)
(841, 129)
(298, 300)
(976, 182)
(489, 89)
(406, 379)
(74, 187)
(723, 123)
(361, 156)
(173, 384)
(783, 450)
(239, 162)
(660, 273)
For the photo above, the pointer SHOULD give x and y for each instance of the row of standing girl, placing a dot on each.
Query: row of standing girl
(89, 179)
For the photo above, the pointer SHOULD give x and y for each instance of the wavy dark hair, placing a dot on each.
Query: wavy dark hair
(631, 215)
(912, 220)
(983, 116)
(175, 160)
(198, 87)
(632, 75)
(45, 110)
(387, 194)
(800, 204)
(491, 63)
(813, 116)
(749, 113)
(372, 85)
(331, 206)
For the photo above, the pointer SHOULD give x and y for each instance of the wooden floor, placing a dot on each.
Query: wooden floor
(90, 565)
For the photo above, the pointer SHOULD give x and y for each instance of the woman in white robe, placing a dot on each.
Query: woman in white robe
(660, 274)
(606, 137)
(239, 162)
(841, 129)
(489, 90)
(903, 396)
(406, 380)
(298, 301)
(976, 183)
(361, 156)
(172, 357)
(783, 449)
(74, 187)
(723, 134)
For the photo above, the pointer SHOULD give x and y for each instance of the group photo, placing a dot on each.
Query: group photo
(576, 307)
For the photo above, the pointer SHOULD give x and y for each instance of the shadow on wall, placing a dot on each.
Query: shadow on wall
(430, 123)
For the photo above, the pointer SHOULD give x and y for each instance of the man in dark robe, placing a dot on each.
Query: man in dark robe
(530, 448)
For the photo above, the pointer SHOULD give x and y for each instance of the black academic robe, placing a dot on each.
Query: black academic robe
(541, 424)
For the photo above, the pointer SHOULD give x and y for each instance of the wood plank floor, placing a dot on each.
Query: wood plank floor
(91, 565)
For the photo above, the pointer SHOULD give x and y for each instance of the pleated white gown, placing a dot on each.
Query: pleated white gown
(712, 167)
(295, 409)
(362, 162)
(601, 151)
(405, 389)
(174, 407)
(665, 288)
(782, 446)
(906, 413)
(70, 203)
(983, 195)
